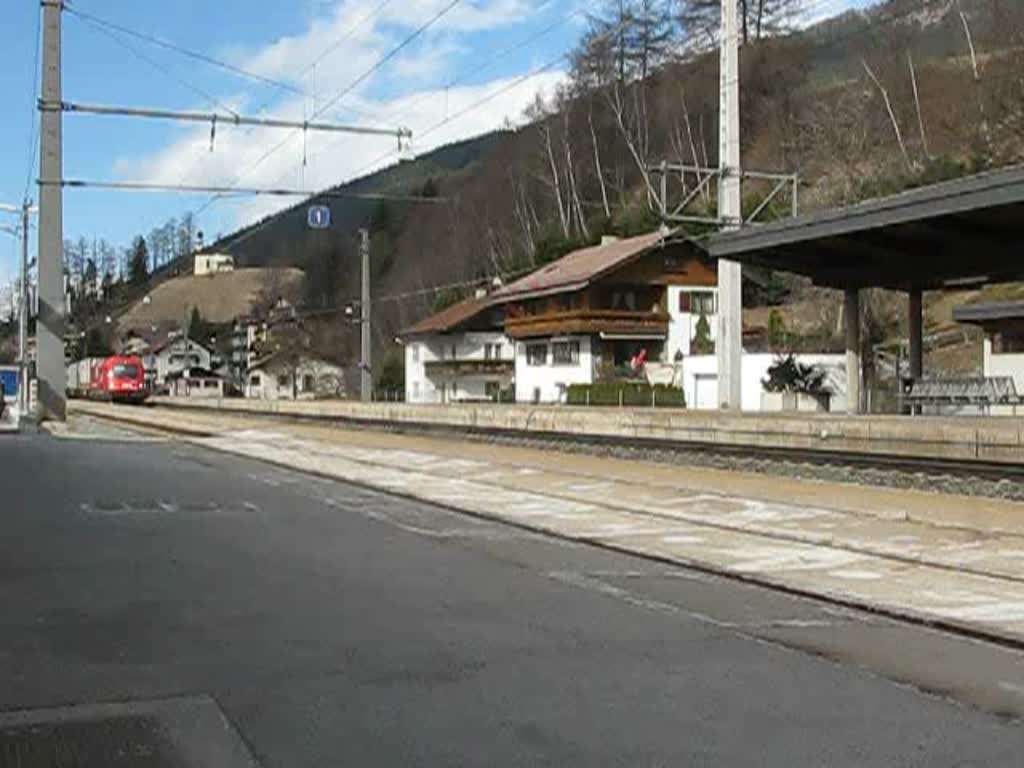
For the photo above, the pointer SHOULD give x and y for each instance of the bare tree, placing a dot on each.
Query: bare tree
(649, 35)
(570, 172)
(598, 167)
(917, 106)
(892, 114)
(758, 18)
(633, 129)
(983, 125)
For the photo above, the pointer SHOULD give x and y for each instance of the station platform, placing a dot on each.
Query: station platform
(956, 562)
(998, 439)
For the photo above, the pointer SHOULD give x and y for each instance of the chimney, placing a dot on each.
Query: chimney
(608, 240)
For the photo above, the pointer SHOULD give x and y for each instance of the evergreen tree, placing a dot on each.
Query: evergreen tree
(138, 262)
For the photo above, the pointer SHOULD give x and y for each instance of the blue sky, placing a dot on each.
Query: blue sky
(278, 39)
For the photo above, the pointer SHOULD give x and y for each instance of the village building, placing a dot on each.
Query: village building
(281, 376)
(1002, 363)
(175, 355)
(212, 264)
(459, 354)
(247, 334)
(642, 309)
(625, 309)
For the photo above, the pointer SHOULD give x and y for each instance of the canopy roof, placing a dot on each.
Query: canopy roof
(950, 235)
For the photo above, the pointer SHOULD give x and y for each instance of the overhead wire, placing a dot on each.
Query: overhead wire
(459, 79)
(196, 55)
(245, 235)
(33, 136)
(889, 19)
(408, 40)
(326, 52)
(160, 67)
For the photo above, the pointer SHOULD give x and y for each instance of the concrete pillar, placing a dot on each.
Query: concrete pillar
(916, 310)
(50, 368)
(851, 314)
(729, 345)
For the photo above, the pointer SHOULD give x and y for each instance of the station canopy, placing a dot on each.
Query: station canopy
(953, 235)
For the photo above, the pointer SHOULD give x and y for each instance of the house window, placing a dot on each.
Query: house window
(699, 302)
(492, 389)
(307, 383)
(537, 354)
(282, 381)
(254, 380)
(565, 353)
(415, 353)
(487, 351)
(625, 300)
(453, 352)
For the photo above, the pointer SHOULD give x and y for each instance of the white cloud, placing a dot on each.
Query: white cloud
(356, 33)
(333, 158)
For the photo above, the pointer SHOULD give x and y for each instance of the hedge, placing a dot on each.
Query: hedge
(632, 394)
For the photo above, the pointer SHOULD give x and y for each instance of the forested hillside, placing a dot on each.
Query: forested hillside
(909, 92)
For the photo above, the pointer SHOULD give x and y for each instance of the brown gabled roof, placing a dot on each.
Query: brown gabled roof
(450, 317)
(579, 268)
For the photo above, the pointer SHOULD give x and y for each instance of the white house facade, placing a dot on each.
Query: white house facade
(173, 357)
(458, 367)
(699, 377)
(460, 354)
(623, 310)
(1003, 347)
(212, 263)
(275, 378)
(547, 367)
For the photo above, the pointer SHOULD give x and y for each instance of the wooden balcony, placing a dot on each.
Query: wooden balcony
(470, 367)
(586, 321)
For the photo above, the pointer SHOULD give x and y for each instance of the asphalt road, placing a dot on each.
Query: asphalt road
(170, 606)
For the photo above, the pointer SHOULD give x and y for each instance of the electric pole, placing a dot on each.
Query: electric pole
(729, 345)
(365, 353)
(23, 309)
(50, 323)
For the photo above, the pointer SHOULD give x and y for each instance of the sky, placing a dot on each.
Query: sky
(477, 67)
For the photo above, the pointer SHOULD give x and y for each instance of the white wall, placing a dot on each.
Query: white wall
(755, 368)
(172, 358)
(328, 381)
(212, 263)
(551, 380)
(420, 387)
(1006, 364)
(199, 388)
(683, 325)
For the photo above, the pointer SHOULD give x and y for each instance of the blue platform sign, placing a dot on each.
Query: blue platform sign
(318, 217)
(9, 377)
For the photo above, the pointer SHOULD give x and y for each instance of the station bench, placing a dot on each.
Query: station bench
(980, 391)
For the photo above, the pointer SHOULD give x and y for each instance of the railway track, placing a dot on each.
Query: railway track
(972, 477)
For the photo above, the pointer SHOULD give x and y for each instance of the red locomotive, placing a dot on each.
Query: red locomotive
(121, 378)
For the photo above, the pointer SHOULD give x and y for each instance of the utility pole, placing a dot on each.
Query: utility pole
(50, 322)
(729, 344)
(23, 309)
(365, 353)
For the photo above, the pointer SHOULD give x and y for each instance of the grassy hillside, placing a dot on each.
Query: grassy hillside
(219, 298)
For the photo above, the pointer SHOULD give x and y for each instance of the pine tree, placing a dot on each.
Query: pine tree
(138, 262)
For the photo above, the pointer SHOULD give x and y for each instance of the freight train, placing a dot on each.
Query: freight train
(121, 378)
